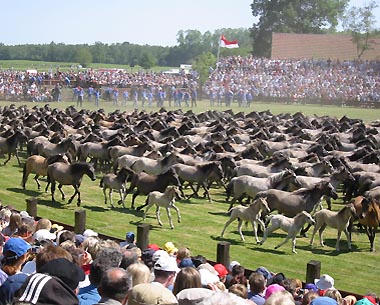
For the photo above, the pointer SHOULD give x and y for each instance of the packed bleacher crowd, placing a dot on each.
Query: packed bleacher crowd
(246, 78)
(237, 78)
(42, 263)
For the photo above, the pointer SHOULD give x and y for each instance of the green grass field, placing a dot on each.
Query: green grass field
(202, 221)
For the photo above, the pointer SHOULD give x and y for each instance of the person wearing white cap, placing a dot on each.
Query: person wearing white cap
(165, 271)
(324, 282)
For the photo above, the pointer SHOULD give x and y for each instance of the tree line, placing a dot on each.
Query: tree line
(190, 45)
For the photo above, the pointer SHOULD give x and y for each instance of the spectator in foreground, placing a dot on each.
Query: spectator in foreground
(139, 273)
(257, 285)
(15, 255)
(151, 294)
(114, 287)
(188, 277)
(280, 298)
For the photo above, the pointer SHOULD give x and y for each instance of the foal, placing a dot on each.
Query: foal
(112, 182)
(290, 225)
(338, 220)
(165, 200)
(251, 213)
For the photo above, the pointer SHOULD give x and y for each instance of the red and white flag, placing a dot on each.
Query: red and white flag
(224, 43)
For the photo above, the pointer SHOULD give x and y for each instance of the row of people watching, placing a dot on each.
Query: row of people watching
(41, 263)
(294, 79)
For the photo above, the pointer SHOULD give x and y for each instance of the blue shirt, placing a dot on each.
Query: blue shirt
(89, 295)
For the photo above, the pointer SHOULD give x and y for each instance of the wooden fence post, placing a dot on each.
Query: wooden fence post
(223, 253)
(313, 271)
(142, 240)
(80, 221)
(31, 206)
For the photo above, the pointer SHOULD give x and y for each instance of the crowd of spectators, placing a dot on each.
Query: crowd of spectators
(42, 263)
(149, 86)
(247, 78)
(237, 78)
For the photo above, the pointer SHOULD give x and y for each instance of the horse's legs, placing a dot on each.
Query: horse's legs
(239, 229)
(76, 187)
(52, 190)
(262, 224)
(158, 215)
(105, 195)
(133, 199)
(37, 181)
(148, 206)
(204, 184)
(169, 217)
(18, 158)
(317, 226)
(348, 238)
(178, 213)
(121, 193)
(321, 229)
(110, 195)
(226, 225)
(62, 193)
(267, 232)
(254, 227)
(285, 241)
(9, 157)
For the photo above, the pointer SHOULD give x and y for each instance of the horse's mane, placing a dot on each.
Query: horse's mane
(78, 167)
(278, 177)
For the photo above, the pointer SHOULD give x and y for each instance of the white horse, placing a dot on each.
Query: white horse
(251, 213)
(290, 225)
(165, 200)
(117, 182)
(338, 220)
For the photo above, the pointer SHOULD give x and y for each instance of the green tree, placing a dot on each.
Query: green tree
(203, 64)
(83, 56)
(147, 60)
(297, 16)
(360, 22)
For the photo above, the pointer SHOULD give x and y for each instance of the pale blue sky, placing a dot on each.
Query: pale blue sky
(153, 22)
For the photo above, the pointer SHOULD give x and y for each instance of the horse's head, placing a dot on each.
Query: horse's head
(90, 171)
(308, 218)
(327, 189)
(174, 190)
(262, 201)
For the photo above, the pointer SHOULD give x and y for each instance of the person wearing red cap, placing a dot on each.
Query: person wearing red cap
(222, 272)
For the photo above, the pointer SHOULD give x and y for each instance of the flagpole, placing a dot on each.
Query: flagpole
(218, 54)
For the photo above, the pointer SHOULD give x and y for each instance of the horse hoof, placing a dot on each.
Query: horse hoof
(78, 204)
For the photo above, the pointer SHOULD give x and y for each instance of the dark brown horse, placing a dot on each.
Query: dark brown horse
(145, 183)
(69, 174)
(9, 145)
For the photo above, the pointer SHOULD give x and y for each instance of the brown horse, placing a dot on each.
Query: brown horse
(368, 215)
(38, 165)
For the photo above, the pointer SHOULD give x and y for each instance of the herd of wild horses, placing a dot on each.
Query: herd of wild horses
(292, 163)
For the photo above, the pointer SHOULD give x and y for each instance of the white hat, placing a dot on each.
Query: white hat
(325, 282)
(44, 234)
(167, 264)
(159, 254)
(207, 277)
(232, 264)
(90, 233)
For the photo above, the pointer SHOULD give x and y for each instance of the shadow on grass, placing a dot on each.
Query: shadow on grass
(329, 248)
(230, 240)
(20, 190)
(50, 203)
